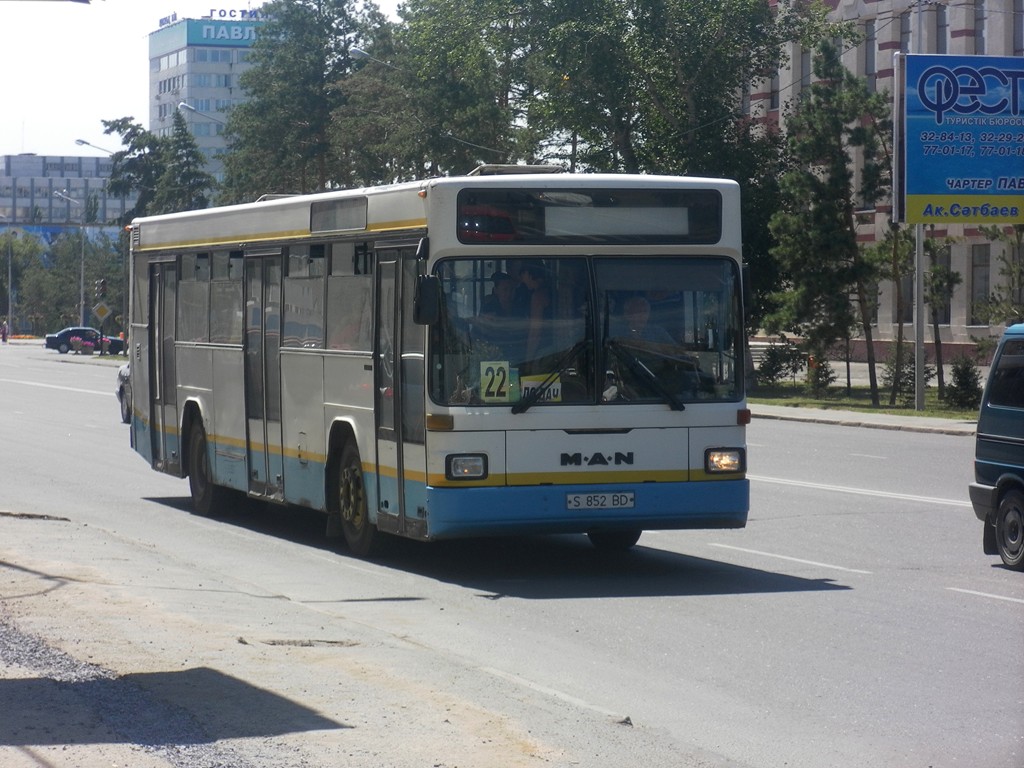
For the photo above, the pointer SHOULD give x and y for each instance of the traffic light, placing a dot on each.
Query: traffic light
(103, 288)
(96, 286)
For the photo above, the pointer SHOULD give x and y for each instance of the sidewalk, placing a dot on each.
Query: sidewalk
(859, 377)
(861, 419)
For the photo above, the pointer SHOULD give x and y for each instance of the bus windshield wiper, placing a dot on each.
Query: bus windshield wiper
(637, 368)
(536, 393)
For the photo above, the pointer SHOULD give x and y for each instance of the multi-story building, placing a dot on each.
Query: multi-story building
(194, 66)
(35, 190)
(974, 27)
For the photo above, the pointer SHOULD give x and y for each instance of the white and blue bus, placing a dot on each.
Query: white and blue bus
(499, 353)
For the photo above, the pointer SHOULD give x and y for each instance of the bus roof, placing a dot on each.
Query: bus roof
(393, 209)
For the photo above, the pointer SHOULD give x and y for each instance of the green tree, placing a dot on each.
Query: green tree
(136, 168)
(1005, 305)
(893, 259)
(939, 284)
(459, 71)
(817, 249)
(279, 137)
(184, 185)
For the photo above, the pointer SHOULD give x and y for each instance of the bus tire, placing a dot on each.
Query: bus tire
(360, 534)
(1010, 530)
(614, 541)
(207, 498)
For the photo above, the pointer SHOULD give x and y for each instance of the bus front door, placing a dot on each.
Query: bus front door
(398, 393)
(165, 441)
(263, 375)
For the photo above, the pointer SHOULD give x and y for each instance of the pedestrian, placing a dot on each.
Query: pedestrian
(3, 331)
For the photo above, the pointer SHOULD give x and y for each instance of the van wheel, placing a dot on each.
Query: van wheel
(360, 534)
(614, 541)
(1010, 530)
(207, 498)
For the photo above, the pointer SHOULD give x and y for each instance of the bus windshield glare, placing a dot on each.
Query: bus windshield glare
(587, 330)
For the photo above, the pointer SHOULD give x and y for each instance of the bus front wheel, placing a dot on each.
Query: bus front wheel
(207, 497)
(361, 535)
(614, 541)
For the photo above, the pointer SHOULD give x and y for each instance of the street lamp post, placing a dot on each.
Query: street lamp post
(10, 273)
(84, 143)
(81, 274)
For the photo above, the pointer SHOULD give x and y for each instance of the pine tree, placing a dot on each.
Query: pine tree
(815, 226)
(183, 185)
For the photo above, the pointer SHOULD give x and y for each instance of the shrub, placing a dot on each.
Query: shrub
(965, 389)
(820, 376)
(781, 360)
(906, 377)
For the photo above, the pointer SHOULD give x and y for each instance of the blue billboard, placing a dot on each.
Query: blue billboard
(964, 139)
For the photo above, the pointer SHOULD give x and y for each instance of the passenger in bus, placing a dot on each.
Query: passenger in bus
(635, 323)
(500, 302)
(535, 277)
(500, 323)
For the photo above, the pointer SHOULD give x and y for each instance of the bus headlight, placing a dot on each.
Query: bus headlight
(718, 460)
(465, 466)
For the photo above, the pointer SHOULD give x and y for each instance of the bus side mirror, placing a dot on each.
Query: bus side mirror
(426, 308)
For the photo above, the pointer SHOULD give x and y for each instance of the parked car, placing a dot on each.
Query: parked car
(61, 340)
(997, 492)
(124, 392)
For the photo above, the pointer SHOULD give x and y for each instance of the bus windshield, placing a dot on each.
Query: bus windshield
(587, 330)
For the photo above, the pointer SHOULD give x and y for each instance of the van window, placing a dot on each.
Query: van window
(1006, 386)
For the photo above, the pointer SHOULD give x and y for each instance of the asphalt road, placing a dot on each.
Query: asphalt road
(854, 622)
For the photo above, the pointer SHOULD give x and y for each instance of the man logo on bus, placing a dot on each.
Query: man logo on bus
(597, 459)
(965, 90)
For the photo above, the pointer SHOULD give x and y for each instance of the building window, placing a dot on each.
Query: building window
(869, 54)
(906, 315)
(942, 263)
(773, 102)
(905, 39)
(980, 255)
(979, 27)
(806, 69)
(1018, 27)
(942, 28)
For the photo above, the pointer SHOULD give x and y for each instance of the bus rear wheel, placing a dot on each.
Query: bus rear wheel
(207, 497)
(614, 541)
(360, 534)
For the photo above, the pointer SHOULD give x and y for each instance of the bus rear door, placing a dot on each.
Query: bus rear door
(163, 392)
(263, 279)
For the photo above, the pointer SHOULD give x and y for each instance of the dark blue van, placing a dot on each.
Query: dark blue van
(997, 492)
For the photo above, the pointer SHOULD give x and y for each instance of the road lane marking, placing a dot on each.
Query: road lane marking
(862, 491)
(552, 692)
(57, 386)
(986, 594)
(790, 559)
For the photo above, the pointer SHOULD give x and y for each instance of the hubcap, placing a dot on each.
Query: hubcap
(351, 496)
(1013, 530)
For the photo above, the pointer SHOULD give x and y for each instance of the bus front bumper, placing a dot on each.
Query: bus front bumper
(463, 512)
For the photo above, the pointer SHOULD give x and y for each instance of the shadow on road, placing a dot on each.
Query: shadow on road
(150, 709)
(535, 567)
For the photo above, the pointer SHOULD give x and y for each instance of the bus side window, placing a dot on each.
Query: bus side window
(303, 298)
(349, 298)
(226, 298)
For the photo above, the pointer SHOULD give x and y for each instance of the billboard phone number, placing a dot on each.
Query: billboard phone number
(947, 137)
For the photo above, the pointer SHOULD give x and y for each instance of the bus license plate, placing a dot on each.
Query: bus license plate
(621, 500)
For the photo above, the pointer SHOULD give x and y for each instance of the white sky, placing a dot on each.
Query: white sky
(66, 66)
